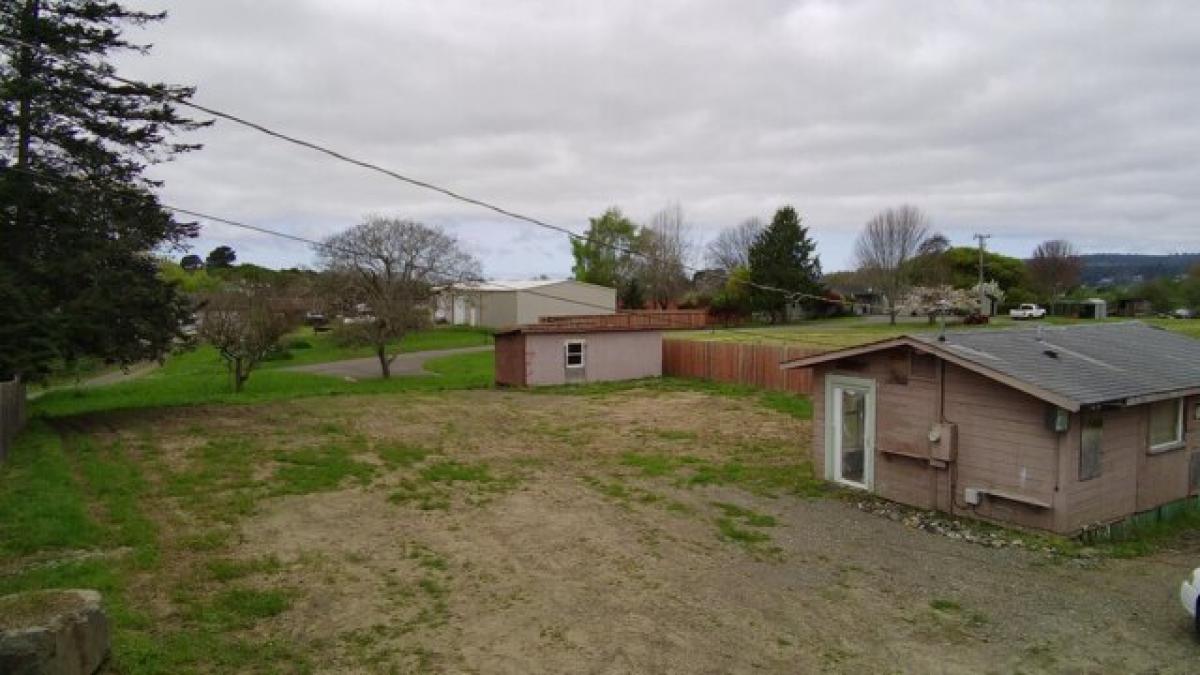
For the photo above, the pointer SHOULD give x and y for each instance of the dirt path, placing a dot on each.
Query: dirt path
(412, 363)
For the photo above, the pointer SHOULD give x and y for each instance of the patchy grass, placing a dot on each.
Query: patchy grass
(453, 471)
(402, 454)
(1144, 538)
(318, 470)
(945, 605)
(225, 569)
(747, 516)
(796, 405)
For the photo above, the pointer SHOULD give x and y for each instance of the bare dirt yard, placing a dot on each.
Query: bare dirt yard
(638, 531)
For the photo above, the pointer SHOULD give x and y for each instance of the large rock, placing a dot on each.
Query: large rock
(62, 632)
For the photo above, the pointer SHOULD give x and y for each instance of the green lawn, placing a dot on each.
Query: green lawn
(305, 346)
(199, 376)
(850, 331)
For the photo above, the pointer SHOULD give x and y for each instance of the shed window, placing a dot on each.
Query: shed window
(575, 354)
(1091, 455)
(1166, 424)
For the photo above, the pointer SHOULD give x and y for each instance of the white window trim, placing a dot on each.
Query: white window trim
(1176, 442)
(582, 354)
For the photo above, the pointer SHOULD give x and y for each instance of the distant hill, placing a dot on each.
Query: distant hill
(1126, 268)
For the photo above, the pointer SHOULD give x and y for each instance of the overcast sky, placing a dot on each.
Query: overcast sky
(1026, 120)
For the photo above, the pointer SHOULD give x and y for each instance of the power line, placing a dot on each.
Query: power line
(90, 185)
(163, 95)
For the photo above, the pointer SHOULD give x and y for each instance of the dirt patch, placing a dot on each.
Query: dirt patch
(633, 532)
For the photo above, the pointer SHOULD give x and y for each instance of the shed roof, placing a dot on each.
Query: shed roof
(1071, 366)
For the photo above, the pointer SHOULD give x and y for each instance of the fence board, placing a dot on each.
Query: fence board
(753, 365)
(12, 413)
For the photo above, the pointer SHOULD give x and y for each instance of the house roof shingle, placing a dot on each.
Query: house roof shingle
(1084, 364)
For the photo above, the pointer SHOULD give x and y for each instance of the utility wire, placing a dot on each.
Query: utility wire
(91, 185)
(163, 95)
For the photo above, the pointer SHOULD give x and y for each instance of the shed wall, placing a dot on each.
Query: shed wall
(497, 308)
(609, 356)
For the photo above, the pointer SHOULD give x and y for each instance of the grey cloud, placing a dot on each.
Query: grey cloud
(1027, 119)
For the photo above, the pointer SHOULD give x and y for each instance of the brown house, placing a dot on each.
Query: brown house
(1055, 428)
(565, 353)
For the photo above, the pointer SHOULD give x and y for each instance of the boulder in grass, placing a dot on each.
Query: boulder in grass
(59, 632)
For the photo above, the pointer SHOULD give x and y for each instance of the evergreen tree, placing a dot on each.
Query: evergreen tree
(783, 257)
(79, 217)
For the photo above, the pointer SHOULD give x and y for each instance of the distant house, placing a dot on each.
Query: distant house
(1134, 307)
(1057, 428)
(569, 352)
(508, 303)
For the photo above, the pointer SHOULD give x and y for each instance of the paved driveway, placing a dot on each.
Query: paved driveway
(364, 369)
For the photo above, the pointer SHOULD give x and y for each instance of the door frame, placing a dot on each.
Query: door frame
(832, 432)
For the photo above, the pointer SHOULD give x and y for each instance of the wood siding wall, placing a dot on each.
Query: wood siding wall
(905, 411)
(12, 414)
(510, 360)
(737, 363)
(1003, 445)
(1131, 478)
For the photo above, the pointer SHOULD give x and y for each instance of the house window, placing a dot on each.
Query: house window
(1166, 424)
(1091, 455)
(575, 354)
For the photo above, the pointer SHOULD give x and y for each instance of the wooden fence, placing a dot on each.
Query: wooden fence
(749, 364)
(12, 413)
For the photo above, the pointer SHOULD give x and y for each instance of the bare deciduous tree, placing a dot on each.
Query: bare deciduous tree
(392, 267)
(1055, 267)
(731, 248)
(244, 325)
(666, 246)
(885, 247)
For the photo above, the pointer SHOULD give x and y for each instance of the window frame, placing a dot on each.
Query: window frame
(1174, 443)
(582, 354)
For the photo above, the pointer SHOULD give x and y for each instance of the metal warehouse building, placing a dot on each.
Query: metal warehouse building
(509, 303)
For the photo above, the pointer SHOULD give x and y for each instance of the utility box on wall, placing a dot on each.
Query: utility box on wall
(943, 441)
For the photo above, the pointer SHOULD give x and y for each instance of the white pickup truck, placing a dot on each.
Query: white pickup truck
(1027, 311)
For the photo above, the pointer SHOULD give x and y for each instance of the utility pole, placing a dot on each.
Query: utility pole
(982, 238)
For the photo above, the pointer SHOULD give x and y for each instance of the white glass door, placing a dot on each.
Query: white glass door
(850, 430)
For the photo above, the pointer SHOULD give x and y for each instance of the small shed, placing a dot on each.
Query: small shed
(549, 353)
